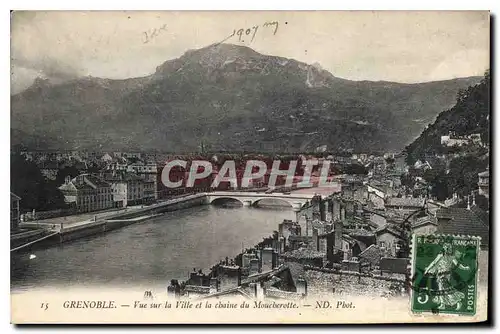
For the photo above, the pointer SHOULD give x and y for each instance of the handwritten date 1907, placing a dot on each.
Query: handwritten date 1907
(241, 33)
(149, 35)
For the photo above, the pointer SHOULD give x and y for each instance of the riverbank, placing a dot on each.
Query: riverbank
(71, 228)
(148, 254)
(61, 230)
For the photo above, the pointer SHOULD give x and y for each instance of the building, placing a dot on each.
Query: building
(453, 140)
(106, 158)
(405, 205)
(371, 256)
(376, 196)
(49, 170)
(424, 225)
(14, 211)
(127, 189)
(148, 171)
(87, 192)
(422, 165)
(484, 183)
(470, 221)
(389, 240)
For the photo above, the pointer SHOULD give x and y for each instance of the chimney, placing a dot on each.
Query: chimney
(301, 286)
(473, 199)
(329, 210)
(338, 230)
(258, 290)
(229, 277)
(246, 258)
(330, 246)
(468, 202)
(67, 179)
(314, 239)
(173, 290)
(308, 225)
(336, 210)
(267, 259)
(214, 285)
(316, 207)
(253, 267)
(275, 259)
(323, 209)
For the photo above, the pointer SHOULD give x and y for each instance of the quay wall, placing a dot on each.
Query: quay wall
(107, 224)
(70, 234)
(124, 219)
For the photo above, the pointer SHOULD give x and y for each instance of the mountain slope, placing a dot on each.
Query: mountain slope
(231, 98)
(469, 115)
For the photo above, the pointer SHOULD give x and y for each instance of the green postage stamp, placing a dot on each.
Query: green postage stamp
(444, 274)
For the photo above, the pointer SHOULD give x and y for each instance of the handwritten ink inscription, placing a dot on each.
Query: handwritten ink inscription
(249, 33)
(149, 35)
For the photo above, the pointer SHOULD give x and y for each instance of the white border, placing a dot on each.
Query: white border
(192, 5)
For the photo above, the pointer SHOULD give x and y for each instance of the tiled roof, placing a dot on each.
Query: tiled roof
(237, 290)
(272, 281)
(14, 197)
(481, 214)
(424, 220)
(304, 253)
(197, 289)
(298, 238)
(485, 173)
(80, 186)
(359, 232)
(461, 221)
(265, 275)
(391, 229)
(380, 185)
(371, 254)
(348, 239)
(352, 241)
(276, 293)
(407, 201)
(121, 175)
(96, 181)
(50, 165)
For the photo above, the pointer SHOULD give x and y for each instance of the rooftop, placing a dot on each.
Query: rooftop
(371, 254)
(461, 221)
(303, 253)
(485, 173)
(405, 202)
(390, 229)
(14, 197)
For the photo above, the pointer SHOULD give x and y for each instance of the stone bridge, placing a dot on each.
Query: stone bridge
(296, 201)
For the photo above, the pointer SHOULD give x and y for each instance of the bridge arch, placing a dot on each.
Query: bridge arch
(263, 200)
(222, 200)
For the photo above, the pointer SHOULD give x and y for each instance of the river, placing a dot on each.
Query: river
(151, 253)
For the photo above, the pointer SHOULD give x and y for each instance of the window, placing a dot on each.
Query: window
(382, 244)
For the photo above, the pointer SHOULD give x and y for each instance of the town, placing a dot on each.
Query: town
(352, 237)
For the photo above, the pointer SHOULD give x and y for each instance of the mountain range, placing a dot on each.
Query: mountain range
(228, 98)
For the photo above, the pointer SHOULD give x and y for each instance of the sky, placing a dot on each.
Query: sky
(365, 45)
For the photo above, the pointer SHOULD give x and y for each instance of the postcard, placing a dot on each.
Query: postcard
(249, 167)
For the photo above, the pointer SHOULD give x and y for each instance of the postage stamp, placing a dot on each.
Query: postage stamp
(444, 274)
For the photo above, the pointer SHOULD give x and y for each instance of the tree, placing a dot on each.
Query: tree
(463, 173)
(70, 171)
(35, 191)
(439, 182)
(469, 115)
